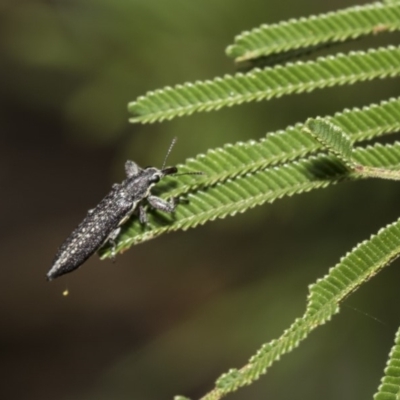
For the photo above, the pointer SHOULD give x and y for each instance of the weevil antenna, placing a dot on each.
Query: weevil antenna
(169, 151)
(190, 173)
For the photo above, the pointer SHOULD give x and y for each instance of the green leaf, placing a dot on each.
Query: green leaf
(258, 85)
(233, 161)
(235, 196)
(280, 147)
(353, 270)
(230, 197)
(336, 26)
(337, 142)
(389, 388)
(332, 137)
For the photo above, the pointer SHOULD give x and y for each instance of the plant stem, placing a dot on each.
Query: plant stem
(373, 172)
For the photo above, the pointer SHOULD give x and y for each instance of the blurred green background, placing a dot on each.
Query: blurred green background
(172, 314)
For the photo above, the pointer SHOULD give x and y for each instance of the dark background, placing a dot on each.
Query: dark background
(174, 313)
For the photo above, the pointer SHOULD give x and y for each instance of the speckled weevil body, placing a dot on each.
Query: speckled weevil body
(103, 223)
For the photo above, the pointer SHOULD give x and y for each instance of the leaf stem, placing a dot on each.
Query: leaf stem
(373, 172)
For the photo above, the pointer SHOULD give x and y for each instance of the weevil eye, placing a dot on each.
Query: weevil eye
(154, 179)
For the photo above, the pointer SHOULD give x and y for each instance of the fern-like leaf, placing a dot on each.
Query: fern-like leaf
(390, 384)
(357, 267)
(231, 161)
(337, 142)
(258, 85)
(238, 195)
(336, 26)
(332, 137)
(235, 196)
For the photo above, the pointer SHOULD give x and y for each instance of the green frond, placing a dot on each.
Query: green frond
(332, 137)
(378, 155)
(371, 121)
(258, 85)
(231, 161)
(241, 159)
(235, 196)
(353, 270)
(389, 388)
(230, 197)
(336, 26)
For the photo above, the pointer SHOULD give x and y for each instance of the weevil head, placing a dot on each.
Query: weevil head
(154, 175)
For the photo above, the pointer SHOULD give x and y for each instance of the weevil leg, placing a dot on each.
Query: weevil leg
(111, 239)
(142, 215)
(161, 204)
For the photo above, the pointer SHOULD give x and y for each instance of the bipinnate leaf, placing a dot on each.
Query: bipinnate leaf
(336, 26)
(264, 84)
(389, 389)
(299, 159)
(337, 142)
(353, 270)
(230, 161)
(332, 137)
(232, 196)
(268, 169)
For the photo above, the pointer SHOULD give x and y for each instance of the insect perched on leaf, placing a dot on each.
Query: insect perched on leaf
(103, 223)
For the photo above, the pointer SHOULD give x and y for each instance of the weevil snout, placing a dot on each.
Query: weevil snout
(169, 171)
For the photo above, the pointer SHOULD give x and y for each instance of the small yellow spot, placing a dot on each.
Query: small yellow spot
(380, 28)
(65, 292)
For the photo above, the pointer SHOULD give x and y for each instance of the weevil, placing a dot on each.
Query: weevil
(103, 223)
